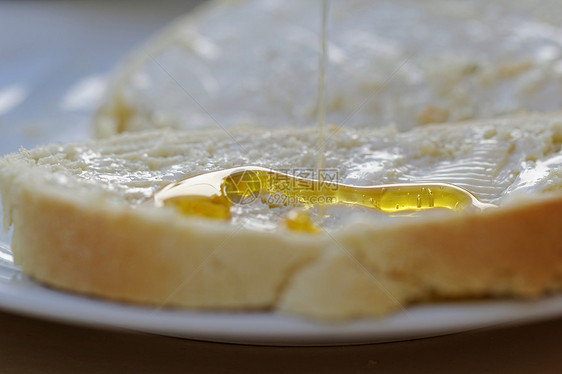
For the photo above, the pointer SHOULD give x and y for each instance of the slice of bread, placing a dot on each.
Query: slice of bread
(255, 62)
(84, 222)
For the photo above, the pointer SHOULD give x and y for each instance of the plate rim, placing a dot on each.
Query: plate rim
(21, 295)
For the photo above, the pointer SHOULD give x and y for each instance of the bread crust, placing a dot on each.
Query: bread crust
(129, 256)
(360, 271)
(515, 251)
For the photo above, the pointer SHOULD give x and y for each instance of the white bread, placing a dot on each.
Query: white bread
(82, 222)
(254, 62)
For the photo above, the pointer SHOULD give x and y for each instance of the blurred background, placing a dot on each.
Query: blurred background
(56, 58)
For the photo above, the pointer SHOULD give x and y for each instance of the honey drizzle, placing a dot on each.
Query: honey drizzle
(321, 100)
(212, 194)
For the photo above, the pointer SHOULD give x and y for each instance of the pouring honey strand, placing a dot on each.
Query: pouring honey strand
(321, 100)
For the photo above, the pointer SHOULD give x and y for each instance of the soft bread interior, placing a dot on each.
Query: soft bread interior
(82, 221)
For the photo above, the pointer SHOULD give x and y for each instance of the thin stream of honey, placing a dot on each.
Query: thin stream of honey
(321, 101)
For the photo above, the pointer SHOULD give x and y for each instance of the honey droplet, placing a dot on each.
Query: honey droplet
(297, 220)
(213, 207)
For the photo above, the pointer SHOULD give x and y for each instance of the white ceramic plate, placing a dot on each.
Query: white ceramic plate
(21, 295)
